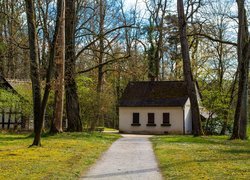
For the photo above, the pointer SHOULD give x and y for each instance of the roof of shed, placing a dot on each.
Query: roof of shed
(4, 84)
(154, 94)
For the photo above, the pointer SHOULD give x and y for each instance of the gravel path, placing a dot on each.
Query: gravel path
(130, 158)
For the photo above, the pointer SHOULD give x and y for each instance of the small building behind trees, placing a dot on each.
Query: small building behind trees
(11, 112)
(155, 107)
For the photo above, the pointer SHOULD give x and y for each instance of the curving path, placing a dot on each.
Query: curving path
(129, 158)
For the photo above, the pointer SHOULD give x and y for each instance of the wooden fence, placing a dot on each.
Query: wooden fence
(13, 120)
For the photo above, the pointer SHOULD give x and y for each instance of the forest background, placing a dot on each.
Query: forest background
(109, 43)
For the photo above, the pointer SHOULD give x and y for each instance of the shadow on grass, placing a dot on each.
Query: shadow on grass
(207, 140)
(121, 174)
(65, 135)
(237, 151)
(201, 161)
(13, 138)
(16, 136)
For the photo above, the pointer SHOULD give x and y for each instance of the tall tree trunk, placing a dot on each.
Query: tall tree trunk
(101, 46)
(197, 131)
(1, 50)
(244, 111)
(10, 62)
(157, 11)
(241, 112)
(100, 61)
(72, 102)
(34, 71)
(59, 76)
(39, 104)
(245, 58)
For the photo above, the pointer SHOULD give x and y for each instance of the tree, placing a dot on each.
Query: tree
(56, 125)
(220, 58)
(157, 10)
(100, 57)
(39, 103)
(72, 102)
(197, 131)
(13, 40)
(173, 48)
(34, 72)
(243, 48)
(101, 31)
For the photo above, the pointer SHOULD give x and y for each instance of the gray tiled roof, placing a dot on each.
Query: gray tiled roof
(154, 94)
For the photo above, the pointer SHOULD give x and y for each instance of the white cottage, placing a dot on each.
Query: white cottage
(161, 107)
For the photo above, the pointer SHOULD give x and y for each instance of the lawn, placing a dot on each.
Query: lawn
(62, 156)
(211, 157)
(110, 129)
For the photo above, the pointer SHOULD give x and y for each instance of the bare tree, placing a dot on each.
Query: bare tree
(13, 40)
(157, 10)
(39, 103)
(197, 131)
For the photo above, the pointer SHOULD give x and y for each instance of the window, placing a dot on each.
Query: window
(136, 119)
(151, 119)
(165, 118)
(166, 121)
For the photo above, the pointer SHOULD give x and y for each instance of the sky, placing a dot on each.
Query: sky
(131, 3)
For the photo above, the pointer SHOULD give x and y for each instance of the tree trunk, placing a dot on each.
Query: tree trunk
(245, 57)
(1, 53)
(59, 76)
(101, 46)
(241, 112)
(244, 111)
(10, 62)
(34, 72)
(38, 105)
(224, 125)
(197, 131)
(232, 92)
(72, 102)
(100, 61)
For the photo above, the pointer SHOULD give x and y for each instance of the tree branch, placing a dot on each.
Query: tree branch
(102, 64)
(214, 39)
(95, 40)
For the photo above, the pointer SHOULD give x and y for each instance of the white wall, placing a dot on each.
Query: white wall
(188, 117)
(126, 119)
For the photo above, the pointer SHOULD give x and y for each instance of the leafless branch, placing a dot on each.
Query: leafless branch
(103, 64)
(95, 40)
(214, 39)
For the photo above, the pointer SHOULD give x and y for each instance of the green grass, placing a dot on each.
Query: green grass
(212, 157)
(62, 156)
(110, 129)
